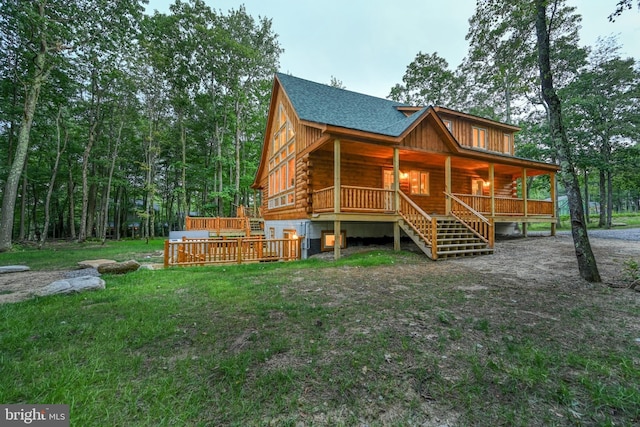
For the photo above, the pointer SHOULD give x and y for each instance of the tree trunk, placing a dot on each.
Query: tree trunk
(586, 195)
(52, 181)
(609, 180)
(105, 212)
(22, 146)
(238, 146)
(586, 260)
(117, 222)
(91, 208)
(219, 173)
(603, 200)
(183, 193)
(71, 219)
(23, 203)
(93, 130)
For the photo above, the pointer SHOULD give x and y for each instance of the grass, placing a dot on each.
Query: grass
(378, 338)
(619, 220)
(63, 255)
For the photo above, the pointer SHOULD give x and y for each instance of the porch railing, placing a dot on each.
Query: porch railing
(191, 252)
(472, 219)
(219, 225)
(355, 199)
(423, 224)
(507, 205)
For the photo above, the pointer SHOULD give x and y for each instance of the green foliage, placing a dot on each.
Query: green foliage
(192, 78)
(427, 81)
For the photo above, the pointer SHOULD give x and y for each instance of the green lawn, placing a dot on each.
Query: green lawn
(622, 220)
(377, 339)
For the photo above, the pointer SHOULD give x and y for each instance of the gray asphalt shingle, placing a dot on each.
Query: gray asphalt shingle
(329, 105)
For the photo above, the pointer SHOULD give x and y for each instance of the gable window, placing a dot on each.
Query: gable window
(507, 143)
(479, 138)
(447, 123)
(419, 182)
(282, 163)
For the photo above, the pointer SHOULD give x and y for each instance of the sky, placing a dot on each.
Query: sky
(368, 44)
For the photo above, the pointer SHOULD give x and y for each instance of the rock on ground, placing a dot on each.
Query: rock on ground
(119, 267)
(67, 286)
(95, 263)
(13, 268)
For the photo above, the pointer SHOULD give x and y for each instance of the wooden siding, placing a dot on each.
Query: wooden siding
(425, 138)
(304, 137)
(462, 130)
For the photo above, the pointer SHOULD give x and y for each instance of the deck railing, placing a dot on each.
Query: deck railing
(472, 219)
(190, 252)
(507, 205)
(355, 199)
(423, 224)
(219, 225)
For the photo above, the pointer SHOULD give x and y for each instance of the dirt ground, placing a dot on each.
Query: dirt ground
(544, 260)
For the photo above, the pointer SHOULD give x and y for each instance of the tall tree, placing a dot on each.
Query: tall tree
(586, 260)
(427, 81)
(502, 62)
(603, 103)
(37, 36)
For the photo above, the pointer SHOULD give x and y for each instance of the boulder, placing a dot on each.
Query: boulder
(119, 267)
(67, 286)
(95, 263)
(13, 268)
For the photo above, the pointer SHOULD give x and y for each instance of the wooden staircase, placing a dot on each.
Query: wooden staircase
(463, 233)
(456, 240)
(453, 240)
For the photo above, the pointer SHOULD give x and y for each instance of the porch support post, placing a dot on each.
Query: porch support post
(524, 201)
(492, 189)
(336, 198)
(447, 184)
(552, 183)
(396, 197)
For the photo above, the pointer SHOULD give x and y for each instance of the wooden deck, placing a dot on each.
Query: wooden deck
(227, 227)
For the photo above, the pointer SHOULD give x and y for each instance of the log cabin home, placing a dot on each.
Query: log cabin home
(342, 168)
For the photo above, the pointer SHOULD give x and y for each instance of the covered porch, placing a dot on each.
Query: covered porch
(405, 185)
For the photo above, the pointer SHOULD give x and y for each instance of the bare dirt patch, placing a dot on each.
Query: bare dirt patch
(16, 287)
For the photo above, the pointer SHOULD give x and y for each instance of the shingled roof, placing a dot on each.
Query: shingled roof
(329, 105)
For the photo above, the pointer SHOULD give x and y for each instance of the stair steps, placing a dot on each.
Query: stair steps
(453, 240)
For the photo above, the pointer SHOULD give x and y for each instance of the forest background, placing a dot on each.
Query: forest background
(117, 123)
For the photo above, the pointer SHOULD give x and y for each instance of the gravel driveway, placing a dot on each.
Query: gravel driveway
(614, 233)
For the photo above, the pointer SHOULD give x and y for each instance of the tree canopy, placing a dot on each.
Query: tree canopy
(116, 123)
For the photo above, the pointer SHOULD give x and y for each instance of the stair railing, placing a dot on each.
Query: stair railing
(424, 225)
(472, 219)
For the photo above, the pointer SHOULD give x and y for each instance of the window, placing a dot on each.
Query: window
(328, 240)
(419, 182)
(282, 163)
(479, 138)
(447, 123)
(477, 187)
(507, 143)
